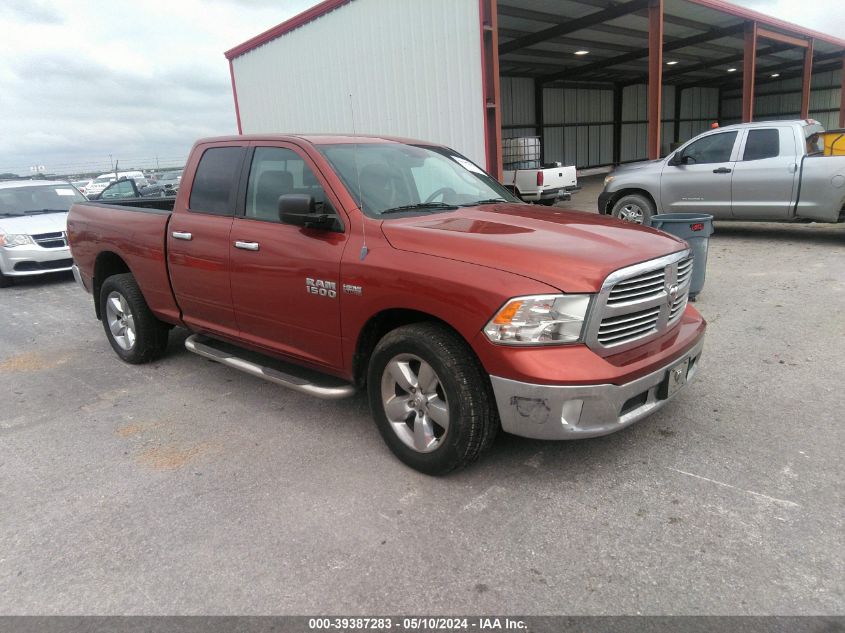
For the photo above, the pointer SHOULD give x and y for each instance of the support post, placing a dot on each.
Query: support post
(842, 96)
(539, 117)
(490, 87)
(679, 94)
(749, 72)
(808, 77)
(655, 76)
(618, 92)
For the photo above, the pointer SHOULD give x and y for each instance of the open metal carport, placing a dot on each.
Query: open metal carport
(603, 82)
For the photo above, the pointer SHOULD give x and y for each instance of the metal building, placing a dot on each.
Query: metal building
(600, 82)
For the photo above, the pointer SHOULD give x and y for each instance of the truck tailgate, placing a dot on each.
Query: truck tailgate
(135, 235)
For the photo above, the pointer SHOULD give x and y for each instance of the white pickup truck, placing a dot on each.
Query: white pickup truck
(768, 170)
(545, 185)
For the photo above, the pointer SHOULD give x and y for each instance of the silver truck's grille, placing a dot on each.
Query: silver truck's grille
(640, 303)
(51, 240)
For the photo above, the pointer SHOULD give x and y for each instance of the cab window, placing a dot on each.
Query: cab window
(715, 148)
(762, 144)
(216, 181)
(276, 171)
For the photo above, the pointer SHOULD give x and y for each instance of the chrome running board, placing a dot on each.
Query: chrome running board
(334, 389)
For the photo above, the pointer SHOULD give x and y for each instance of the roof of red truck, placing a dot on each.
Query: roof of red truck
(317, 139)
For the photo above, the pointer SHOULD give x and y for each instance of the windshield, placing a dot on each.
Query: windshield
(170, 175)
(16, 201)
(391, 177)
(103, 180)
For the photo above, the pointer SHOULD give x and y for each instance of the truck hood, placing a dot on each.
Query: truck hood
(573, 251)
(34, 224)
(638, 166)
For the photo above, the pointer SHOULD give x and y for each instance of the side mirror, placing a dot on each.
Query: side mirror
(300, 209)
(675, 160)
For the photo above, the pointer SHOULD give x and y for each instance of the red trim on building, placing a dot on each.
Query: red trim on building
(748, 14)
(489, 25)
(235, 94)
(285, 27)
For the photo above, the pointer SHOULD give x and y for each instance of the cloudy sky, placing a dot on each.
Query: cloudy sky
(84, 79)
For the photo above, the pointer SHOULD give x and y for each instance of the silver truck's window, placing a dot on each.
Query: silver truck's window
(715, 148)
(762, 144)
(277, 171)
(814, 139)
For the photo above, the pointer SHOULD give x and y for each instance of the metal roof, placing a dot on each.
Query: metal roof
(703, 39)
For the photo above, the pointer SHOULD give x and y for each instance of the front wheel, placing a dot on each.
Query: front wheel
(5, 281)
(135, 334)
(633, 208)
(430, 398)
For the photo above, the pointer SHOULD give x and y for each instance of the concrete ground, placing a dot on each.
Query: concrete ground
(183, 487)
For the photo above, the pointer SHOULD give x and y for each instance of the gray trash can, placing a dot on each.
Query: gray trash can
(696, 229)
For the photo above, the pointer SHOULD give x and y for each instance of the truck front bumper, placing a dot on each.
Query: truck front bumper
(561, 412)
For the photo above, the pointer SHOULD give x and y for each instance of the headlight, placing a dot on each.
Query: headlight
(608, 179)
(539, 320)
(10, 240)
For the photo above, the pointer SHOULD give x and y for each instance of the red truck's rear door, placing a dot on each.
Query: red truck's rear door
(285, 279)
(198, 244)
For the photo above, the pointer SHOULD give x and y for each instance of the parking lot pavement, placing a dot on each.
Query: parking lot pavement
(186, 487)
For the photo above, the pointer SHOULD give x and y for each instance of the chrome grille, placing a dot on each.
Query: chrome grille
(637, 288)
(640, 303)
(684, 271)
(628, 326)
(51, 240)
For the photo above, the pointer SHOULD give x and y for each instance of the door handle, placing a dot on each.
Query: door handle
(722, 170)
(181, 235)
(247, 246)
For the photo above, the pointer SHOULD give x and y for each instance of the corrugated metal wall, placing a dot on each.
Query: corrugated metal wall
(782, 100)
(412, 68)
(578, 122)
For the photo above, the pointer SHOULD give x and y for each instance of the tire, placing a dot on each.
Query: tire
(547, 203)
(634, 208)
(5, 281)
(134, 333)
(457, 387)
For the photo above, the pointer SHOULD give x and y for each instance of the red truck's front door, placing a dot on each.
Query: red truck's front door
(198, 246)
(286, 279)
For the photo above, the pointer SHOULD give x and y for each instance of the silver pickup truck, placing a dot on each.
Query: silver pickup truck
(769, 170)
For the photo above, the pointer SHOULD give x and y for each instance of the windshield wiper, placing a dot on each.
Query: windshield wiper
(37, 211)
(420, 206)
(487, 201)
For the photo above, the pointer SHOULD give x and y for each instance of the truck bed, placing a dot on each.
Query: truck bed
(155, 205)
(135, 230)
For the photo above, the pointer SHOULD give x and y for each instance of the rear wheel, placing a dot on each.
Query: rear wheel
(135, 334)
(634, 208)
(548, 202)
(431, 400)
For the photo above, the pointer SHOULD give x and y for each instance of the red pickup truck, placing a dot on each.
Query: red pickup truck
(332, 263)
